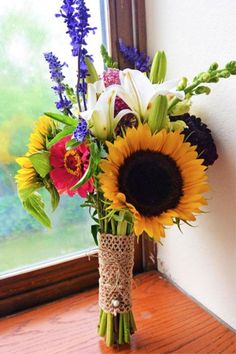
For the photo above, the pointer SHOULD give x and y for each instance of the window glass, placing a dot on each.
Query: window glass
(28, 29)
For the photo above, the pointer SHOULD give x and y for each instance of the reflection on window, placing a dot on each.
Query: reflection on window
(28, 29)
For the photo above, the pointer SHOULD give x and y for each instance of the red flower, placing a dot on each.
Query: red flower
(68, 168)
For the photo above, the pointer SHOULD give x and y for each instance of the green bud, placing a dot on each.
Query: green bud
(70, 94)
(214, 66)
(179, 125)
(196, 78)
(224, 74)
(214, 79)
(158, 68)
(92, 75)
(205, 77)
(202, 89)
(158, 114)
(231, 67)
(182, 84)
(181, 108)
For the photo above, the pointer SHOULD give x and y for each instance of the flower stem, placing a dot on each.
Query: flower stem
(78, 81)
(102, 327)
(113, 227)
(126, 327)
(109, 333)
(84, 99)
(121, 331)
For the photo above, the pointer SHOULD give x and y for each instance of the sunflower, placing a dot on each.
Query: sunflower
(45, 128)
(27, 177)
(157, 177)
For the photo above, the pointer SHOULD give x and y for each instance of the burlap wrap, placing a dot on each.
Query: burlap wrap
(116, 260)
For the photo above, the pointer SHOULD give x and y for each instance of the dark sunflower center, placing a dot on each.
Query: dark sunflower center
(151, 181)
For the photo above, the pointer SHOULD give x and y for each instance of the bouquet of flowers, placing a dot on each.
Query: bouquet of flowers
(124, 141)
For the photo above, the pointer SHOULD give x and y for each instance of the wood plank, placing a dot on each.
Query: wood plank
(167, 320)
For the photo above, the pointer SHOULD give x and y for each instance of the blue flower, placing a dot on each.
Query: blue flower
(76, 16)
(81, 130)
(138, 59)
(55, 69)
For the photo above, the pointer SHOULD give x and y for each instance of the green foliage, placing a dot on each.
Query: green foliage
(92, 73)
(213, 75)
(93, 165)
(94, 231)
(65, 132)
(71, 144)
(62, 119)
(41, 163)
(70, 94)
(35, 207)
(55, 198)
(108, 61)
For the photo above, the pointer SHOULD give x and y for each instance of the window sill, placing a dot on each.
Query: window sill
(167, 321)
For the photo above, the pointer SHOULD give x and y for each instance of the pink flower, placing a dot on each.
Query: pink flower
(68, 168)
(111, 77)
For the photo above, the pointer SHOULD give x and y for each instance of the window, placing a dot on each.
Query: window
(25, 94)
(27, 277)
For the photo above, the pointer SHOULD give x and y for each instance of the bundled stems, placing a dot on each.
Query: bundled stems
(116, 329)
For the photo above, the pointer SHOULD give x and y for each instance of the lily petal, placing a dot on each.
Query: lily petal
(169, 87)
(138, 86)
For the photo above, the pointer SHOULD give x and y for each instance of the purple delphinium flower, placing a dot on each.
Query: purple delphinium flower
(138, 59)
(197, 133)
(55, 69)
(76, 16)
(81, 130)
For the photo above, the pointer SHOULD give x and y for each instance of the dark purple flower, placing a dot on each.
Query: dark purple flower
(76, 16)
(197, 133)
(81, 130)
(55, 69)
(138, 59)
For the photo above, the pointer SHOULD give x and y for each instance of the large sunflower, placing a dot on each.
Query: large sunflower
(157, 177)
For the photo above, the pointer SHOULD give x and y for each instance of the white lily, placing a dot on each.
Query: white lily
(139, 93)
(100, 114)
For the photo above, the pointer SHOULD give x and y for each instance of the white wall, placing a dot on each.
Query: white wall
(202, 261)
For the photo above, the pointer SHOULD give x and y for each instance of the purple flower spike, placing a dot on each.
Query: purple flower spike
(76, 16)
(81, 130)
(55, 69)
(138, 59)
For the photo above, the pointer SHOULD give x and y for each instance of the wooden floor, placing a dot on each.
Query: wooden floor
(168, 322)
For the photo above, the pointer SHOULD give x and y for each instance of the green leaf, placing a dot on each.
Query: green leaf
(66, 131)
(41, 163)
(92, 73)
(35, 207)
(93, 164)
(62, 118)
(25, 193)
(94, 231)
(55, 198)
(71, 144)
